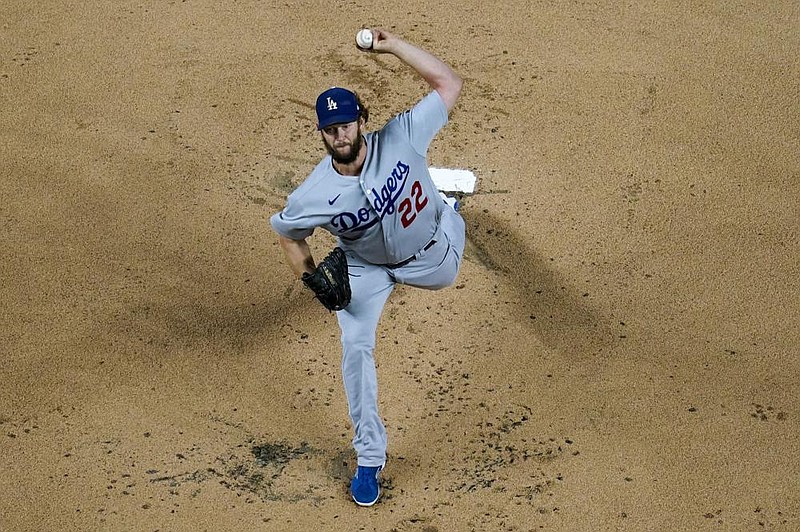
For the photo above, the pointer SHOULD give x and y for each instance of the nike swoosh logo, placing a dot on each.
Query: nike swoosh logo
(332, 201)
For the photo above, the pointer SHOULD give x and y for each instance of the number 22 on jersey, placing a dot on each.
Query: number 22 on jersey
(410, 206)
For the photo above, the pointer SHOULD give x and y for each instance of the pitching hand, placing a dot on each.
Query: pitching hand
(384, 42)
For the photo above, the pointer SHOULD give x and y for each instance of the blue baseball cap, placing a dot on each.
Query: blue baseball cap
(336, 106)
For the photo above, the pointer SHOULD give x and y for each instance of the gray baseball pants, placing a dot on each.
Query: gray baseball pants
(371, 284)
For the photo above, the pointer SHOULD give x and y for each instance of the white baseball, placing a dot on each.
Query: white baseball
(364, 39)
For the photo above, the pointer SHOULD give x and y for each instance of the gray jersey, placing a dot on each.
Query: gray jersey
(389, 212)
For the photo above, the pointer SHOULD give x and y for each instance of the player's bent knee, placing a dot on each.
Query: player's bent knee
(444, 282)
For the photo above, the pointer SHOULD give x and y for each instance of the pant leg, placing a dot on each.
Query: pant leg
(438, 266)
(370, 286)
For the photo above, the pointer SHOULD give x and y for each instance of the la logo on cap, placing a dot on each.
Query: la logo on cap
(332, 104)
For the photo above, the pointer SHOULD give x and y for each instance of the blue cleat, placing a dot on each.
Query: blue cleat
(365, 487)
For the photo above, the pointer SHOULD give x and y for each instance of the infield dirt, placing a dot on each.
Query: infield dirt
(620, 351)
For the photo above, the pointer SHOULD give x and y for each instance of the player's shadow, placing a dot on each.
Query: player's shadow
(554, 308)
(234, 319)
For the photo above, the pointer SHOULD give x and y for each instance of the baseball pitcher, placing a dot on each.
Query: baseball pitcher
(374, 193)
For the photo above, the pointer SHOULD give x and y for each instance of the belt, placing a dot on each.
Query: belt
(412, 258)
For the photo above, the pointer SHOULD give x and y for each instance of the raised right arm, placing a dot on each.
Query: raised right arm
(433, 70)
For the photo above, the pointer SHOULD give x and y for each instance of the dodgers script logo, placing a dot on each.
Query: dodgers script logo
(383, 202)
(354, 221)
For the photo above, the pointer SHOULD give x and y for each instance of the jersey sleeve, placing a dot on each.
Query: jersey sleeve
(291, 221)
(423, 121)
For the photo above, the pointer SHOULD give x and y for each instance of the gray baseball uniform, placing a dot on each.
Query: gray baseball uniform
(395, 228)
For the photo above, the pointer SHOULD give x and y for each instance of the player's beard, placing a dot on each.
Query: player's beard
(350, 157)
